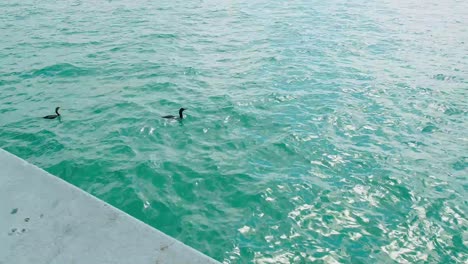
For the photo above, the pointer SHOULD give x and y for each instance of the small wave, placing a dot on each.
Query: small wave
(160, 36)
(155, 86)
(444, 77)
(429, 128)
(191, 71)
(63, 70)
(453, 111)
(460, 164)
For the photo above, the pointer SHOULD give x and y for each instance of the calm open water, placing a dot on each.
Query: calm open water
(317, 131)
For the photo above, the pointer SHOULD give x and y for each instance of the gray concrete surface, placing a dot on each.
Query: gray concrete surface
(45, 220)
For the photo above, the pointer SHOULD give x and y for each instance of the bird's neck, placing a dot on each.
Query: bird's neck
(180, 115)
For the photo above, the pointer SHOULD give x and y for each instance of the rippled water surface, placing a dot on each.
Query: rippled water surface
(317, 131)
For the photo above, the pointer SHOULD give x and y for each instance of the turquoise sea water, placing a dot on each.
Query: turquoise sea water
(317, 131)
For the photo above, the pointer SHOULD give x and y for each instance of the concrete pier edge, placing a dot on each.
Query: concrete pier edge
(44, 219)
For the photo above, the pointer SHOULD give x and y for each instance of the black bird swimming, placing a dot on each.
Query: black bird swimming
(53, 116)
(181, 116)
